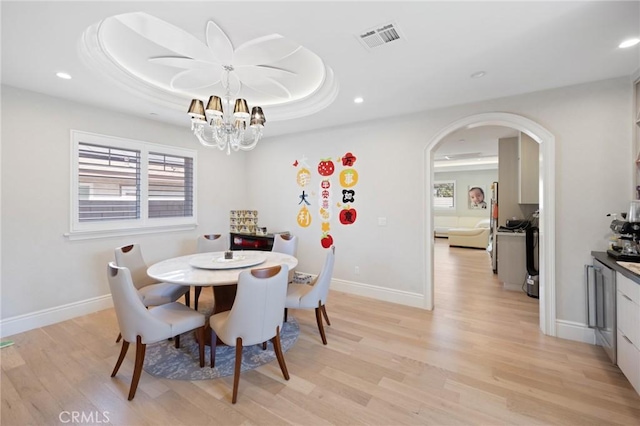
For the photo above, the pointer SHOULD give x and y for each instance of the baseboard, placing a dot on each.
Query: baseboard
(565, 329)
(26, 322)
(575, 331)
(380, 293)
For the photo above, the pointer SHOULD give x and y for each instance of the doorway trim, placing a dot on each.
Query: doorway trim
(547, 205)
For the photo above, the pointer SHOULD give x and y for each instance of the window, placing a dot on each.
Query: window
(121, 186)
(444, 194)
(102, 172)
(170, 185)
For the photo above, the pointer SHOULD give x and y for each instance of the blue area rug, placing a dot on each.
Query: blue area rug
(164, 360)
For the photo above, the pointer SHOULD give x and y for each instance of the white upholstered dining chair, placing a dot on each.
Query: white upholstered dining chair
(254, 318)
(287, 244)
(152, 293)
(144, 326)
(212, 242)
(314, 295)
(205, 244)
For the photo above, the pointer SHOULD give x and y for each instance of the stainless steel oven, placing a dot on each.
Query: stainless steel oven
(601, 305)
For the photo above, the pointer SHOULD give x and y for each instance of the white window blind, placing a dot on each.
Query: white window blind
(121, 187)
(109, 183)
(170, 185)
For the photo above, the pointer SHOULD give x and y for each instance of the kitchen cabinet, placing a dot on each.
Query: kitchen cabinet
(512, 256)
(528, 170)
(628, 330)
(636, 133)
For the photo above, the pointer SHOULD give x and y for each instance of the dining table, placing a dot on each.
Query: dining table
(213, 270)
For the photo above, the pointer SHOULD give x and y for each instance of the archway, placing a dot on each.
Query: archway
(547, 205)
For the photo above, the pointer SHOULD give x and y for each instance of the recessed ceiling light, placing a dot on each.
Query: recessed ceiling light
(358, 100)
(63, 75)
(629, 43)
(478, 74)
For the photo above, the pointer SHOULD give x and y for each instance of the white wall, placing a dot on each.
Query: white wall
(390, 186)
(592, 126)
(464, 180)
(43, 270)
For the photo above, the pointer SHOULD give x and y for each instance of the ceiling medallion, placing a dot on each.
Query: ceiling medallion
(171, 65)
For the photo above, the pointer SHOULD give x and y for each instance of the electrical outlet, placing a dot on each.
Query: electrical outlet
(357, 270)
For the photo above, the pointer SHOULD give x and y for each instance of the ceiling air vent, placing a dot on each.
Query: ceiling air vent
(379, 35)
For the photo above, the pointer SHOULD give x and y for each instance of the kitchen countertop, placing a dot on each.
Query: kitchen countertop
(603, 257)
(511, 234)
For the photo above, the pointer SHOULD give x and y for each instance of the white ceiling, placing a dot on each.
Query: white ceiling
(479, 141)
(522, 47)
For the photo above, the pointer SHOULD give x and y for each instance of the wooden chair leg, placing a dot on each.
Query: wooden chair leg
(324, 313)
(137, 369)
(237, 368)
(278, 350)
(119, 337)
(177, 341)
(200, 338)
(320, 325)
(123, 352)
(264, 346)
(196, 295)
(187, 297)
(214, 341)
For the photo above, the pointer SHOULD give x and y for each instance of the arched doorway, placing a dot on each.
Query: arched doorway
(547, 205)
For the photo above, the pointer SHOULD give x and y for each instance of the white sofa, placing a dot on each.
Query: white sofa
(442, 224)
(476, 237)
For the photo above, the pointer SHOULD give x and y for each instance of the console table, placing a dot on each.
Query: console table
(252, 242)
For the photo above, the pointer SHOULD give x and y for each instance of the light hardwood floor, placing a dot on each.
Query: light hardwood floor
(478, 358)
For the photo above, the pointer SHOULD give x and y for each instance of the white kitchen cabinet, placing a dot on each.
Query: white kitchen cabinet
(636, 131)
(628, 325)
(528, 170)
(512, 256)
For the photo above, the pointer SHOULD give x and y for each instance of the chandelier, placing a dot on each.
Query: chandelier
(223, 129)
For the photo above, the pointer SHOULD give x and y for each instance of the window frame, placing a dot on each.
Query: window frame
(144, 224)
(455, 194)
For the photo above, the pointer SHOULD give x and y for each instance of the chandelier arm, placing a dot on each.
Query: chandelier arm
(257, 135)
(199, 130)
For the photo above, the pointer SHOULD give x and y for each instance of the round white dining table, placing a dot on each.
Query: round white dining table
(212, 270)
